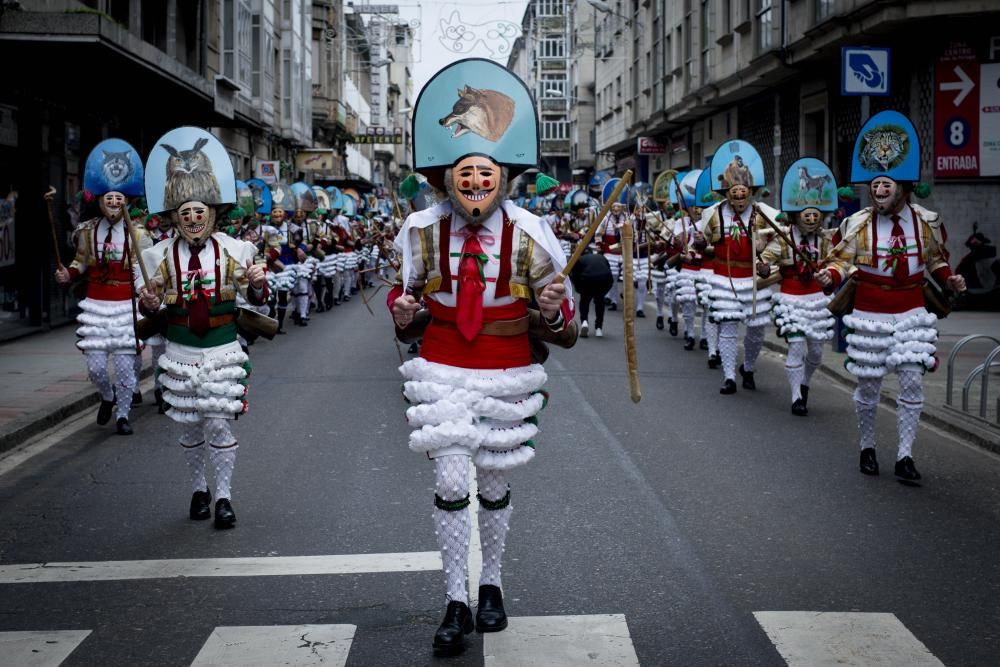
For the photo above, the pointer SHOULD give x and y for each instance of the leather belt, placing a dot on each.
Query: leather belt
(213, 321)
(110, 282)
(494, 328)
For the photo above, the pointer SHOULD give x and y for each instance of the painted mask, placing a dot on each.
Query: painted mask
(195, 221)
(739, 198)
(112, 206)
(886, 194)
(277, 216)
(810, 220)
(475, 185)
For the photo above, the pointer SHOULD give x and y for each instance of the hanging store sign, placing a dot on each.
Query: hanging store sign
(966, 115)
(650, 146)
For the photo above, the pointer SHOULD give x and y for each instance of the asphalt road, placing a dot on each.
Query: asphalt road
(685, 514)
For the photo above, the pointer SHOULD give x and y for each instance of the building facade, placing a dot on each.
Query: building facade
(691, 74)
(133, 70)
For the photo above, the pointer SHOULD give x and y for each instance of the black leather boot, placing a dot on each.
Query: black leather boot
(104, 412)
(659, 322)
(122, 427)
(450, 635)
(748, 381)
(799, 408)
(714, 361)
(490, 617)
(728, 387)
(804, 389)
(225, 517)
(869, 464)
(673, 326)
(688, 342)
(906, 471)
(201, 505)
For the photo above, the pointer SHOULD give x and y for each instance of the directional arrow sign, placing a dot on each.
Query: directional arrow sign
(964, 85)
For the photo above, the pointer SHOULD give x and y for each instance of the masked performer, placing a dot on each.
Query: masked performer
(476, 261)
(104, 259)
(886, 249)
(196, 277)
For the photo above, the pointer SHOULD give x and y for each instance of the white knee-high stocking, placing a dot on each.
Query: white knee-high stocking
(97, 371)
(909, 405)
(814, 358)
(494, 522)
(710, 332)
(753, 341)
(125, 383)
(193, 445)
(727, 348)
(687, 310)
(453, 524)
(795, 366)
(866, 405)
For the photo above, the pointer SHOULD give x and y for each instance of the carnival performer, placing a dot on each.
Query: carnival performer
(610, 233)
(733, 228)
(476, 261)
(685, 283)
(282, 254)
(703, 211)
(885, 250)
(196, 277)
(159, 229)
(800, 308)
(104, 259)
(660, 229)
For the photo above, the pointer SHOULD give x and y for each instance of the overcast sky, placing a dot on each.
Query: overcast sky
(474, 17)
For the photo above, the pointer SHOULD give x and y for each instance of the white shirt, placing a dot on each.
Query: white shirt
(116, 248)
(883, 223)
(488, 233)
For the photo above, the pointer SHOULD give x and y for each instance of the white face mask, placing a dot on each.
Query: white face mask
(195, 221)
(886, 195)
(112, 206)
(809, 221)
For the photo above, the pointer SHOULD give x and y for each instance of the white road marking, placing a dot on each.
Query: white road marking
(39, 649)
(46, 439)
(844, 639)
(35, 573)
(269, 645)
(554, 641)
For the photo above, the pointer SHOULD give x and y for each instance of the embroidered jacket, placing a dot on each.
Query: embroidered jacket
(108, 268)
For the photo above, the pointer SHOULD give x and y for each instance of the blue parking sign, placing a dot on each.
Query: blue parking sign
(864, 71)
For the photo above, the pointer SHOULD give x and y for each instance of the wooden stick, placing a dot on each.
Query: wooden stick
(134, 237)
(629, 314)
(626, 179)
(52, 226)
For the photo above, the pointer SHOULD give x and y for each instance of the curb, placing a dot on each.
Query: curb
(940, 417)
(32, 424)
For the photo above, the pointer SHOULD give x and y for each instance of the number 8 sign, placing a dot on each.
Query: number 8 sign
(956, 115)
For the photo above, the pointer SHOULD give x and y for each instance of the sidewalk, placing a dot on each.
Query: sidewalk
(958, 325)
(44, 380)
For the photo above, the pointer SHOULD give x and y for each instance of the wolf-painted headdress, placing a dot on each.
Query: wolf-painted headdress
(474, 107)
(887, 145)
(188, 164)
(736, 163)
(113, 166)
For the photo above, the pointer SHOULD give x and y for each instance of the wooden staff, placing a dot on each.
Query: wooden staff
(626, 179)
(629, 314)
(48, 196)
(134, 238)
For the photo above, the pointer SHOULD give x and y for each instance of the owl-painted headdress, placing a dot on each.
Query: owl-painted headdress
(113, 166)
(188, 164)
(474, 107)
(736, 163)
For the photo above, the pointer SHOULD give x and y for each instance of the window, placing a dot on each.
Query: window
(261, 58)
(552, 86)
(824, 9)
(726, 10)
(657, 63)
(554, 129)
(706, 42)
(237, 36)
(765, 24)
(286, 85)
(551, 47)
(550, 7)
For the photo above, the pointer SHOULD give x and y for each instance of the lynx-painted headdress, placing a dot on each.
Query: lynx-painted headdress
(189, 164)
(887, 145)
(474, 107)
(113, 166)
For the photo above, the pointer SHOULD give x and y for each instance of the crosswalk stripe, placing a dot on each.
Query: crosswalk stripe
(34, 573)
(45, 648)
(845, 639)
(555, 641)
(268, 645)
